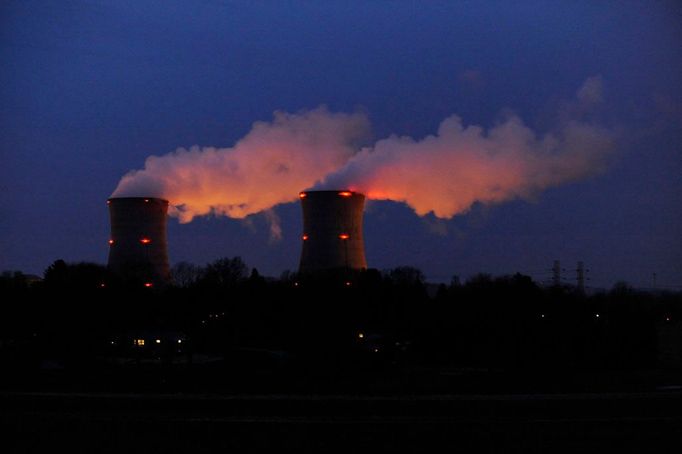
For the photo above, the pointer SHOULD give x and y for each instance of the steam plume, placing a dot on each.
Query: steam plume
(448, 172)
(443, 174)
(267, 167)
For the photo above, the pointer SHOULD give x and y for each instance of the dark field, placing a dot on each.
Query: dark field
(382, 365)
(610, 422)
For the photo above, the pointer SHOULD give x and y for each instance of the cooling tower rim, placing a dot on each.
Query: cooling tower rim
(136, 199)
(341, 192)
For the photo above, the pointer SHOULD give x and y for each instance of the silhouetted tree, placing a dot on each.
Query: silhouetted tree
(407, 276)
(480, 280)
(256, 280)
(224, 273)
(56, 275)
(61, 275)
(455, 281)
(185, 274)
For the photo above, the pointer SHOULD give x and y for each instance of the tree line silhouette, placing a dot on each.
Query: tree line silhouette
(80, 313)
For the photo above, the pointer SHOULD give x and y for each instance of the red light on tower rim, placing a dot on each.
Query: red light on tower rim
(345, 194)
(111, 242)
(302, 195)
(344, 236)
(305, 237)
(148, 284)
(145, 240)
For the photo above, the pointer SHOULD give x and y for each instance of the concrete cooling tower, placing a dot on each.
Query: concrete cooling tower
(138, 248)
(332, 231)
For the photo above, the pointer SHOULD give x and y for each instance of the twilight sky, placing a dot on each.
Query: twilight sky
(90, 89)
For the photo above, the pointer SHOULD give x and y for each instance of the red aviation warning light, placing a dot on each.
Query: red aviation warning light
(302, 195)
(148, 284)
(145, 240)
(345, 194)
(305, 237)
(111, 242)
(344, 236)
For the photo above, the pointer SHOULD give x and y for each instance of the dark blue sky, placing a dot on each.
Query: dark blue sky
(89, 89)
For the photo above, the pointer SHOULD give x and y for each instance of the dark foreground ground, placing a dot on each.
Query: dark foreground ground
(157, 423)
(242, 407)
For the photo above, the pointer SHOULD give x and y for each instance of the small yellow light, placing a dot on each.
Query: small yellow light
(158, 341)
(361, 335)
(179, 341)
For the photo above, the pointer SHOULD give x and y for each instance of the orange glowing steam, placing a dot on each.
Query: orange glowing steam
(446, 173)
(267, 167)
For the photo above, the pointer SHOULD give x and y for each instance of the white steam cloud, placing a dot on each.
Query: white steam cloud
(443, 174)
(267, 167)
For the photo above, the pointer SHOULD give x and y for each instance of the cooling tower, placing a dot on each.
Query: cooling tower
(332, 231)
(138, 249)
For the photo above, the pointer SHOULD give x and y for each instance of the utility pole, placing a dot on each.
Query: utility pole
(580, 277)
(556, 274)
